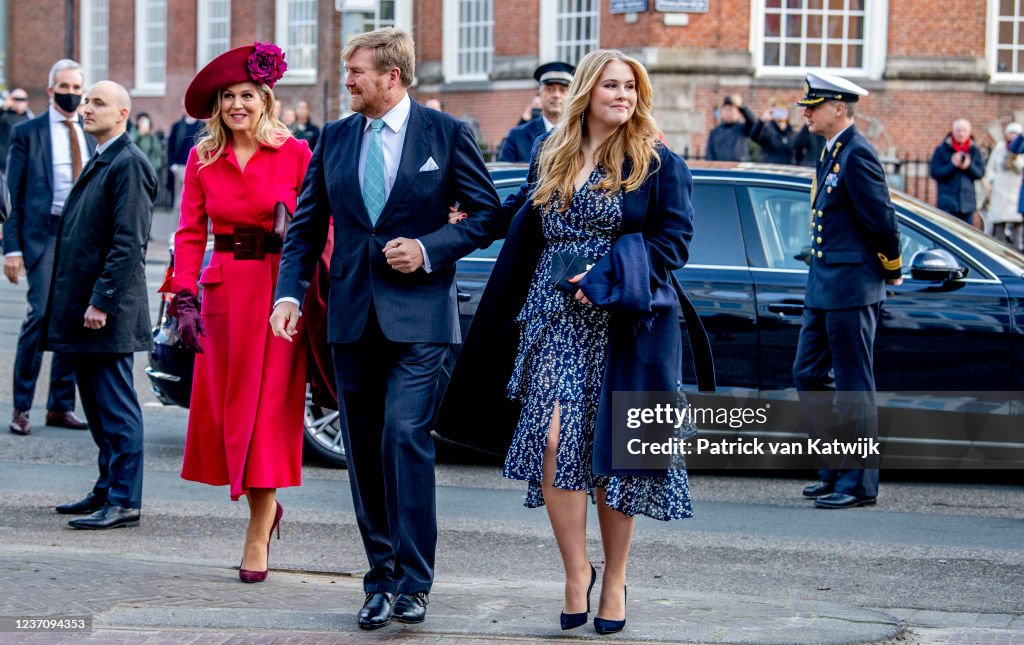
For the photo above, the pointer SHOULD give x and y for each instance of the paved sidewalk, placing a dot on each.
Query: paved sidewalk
(154, 600)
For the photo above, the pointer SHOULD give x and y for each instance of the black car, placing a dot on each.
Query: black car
(953, 328)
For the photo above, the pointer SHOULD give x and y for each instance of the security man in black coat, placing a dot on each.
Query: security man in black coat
(98, 310)
(854, 253)
(554, 79)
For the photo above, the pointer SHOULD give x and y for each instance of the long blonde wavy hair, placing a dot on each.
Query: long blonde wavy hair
(561, 156)
(215, 135)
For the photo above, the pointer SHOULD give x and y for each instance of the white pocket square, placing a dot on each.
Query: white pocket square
(429, 165)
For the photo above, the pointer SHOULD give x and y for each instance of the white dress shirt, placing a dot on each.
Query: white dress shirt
(548, 125)
(61, 146)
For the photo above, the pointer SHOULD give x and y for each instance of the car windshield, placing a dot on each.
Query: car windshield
(1005, 255)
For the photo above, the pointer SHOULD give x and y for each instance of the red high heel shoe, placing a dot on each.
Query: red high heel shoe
(245, 575)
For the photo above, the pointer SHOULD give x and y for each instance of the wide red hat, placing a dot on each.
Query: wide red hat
(260, 63)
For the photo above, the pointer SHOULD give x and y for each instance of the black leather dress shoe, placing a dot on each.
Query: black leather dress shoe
(411, 608)
(67, 420)
(90, 504)
(108, 517)
(842, 500)
(19, 423)
(818, 490)
(376, 611)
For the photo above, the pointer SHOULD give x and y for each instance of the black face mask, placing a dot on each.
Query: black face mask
(67, 102)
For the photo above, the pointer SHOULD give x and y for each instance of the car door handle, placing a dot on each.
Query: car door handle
(464, 296)
(786, 308)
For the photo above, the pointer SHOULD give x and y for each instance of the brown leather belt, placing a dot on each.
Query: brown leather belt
(247, 243)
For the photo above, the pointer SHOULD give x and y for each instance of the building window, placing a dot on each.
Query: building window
(95, 37)
(381, 14)
(792, 36)
(568, 29)
(150, 47)
(1006, 39)
(468, 38)
(297, 36)
(213, 30)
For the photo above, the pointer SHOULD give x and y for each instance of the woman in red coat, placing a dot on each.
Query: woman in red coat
(248, 395)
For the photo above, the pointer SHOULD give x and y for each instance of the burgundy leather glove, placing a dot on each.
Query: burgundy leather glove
(185, 307)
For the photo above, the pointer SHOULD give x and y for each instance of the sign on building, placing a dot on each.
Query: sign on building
(628, 6)
(681, 6)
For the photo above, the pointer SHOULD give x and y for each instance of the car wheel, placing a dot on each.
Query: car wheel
(321, 435)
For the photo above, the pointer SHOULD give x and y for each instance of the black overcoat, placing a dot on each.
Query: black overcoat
(100, 258)
(644, 357)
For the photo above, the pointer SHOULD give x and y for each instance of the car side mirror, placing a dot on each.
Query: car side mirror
(936, 265)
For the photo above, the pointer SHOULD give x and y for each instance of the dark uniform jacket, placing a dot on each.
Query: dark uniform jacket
(855, 244)
(956, 186)
(101, 255)
(519, 141)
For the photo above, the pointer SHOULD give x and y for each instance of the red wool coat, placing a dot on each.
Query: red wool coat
(249, 388)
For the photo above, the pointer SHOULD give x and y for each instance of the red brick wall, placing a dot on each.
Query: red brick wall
(35, 36)
(517, 28)
(937, 28)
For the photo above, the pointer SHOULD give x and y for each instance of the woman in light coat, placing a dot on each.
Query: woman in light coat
(1003, 176)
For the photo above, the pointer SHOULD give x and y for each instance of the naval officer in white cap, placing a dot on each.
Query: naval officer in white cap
(854, 252)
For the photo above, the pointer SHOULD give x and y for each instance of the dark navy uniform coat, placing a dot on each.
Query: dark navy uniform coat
(855, 243)
(519, 141)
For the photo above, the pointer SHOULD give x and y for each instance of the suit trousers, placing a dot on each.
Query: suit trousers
(390, 399)
(111, 406)
(29, 358)
(841, 340)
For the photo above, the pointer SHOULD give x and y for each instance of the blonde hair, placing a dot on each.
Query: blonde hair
(391, 48)
(214, 138)
(560, 158)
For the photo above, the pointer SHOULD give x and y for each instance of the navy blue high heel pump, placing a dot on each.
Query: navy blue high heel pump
(602, 626)
(572, 621)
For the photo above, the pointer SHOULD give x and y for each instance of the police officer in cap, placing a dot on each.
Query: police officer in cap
(554, 79)
(854, 254)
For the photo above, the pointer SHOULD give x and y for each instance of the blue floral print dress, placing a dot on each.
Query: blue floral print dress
(561, 357)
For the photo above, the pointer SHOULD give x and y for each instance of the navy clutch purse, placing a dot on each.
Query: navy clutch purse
(565, 265)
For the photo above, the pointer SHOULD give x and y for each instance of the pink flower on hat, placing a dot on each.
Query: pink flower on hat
(266, 64)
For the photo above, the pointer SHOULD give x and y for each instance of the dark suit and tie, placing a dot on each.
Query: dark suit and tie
(382, 179)
(46, 156)
(519, 142)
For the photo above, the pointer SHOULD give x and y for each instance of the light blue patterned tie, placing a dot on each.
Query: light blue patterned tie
(373, 173)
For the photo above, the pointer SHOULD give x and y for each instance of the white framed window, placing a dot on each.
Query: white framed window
(366, 15)
(297, 35)
(468, 39)
(213, 30)
(1006, 40)
(790, 37)
(150, 47)
(95, 26)
(568, 29)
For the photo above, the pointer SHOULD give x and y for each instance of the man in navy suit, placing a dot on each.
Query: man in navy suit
(554, 79)
(46, 156)
(388, 175)
(855, 252)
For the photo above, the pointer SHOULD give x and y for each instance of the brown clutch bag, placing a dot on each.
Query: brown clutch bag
(282, 218)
